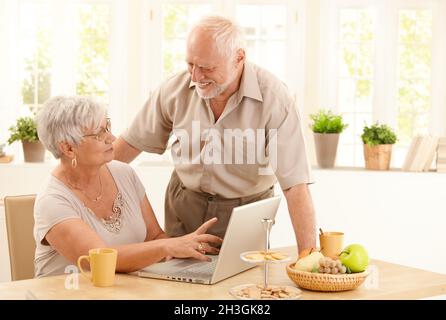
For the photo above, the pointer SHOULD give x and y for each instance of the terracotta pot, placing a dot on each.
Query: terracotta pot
(377, 157)
(33, 151)
(326, 145)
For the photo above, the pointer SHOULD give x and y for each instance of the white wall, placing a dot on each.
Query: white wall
(398, 216)
(312, 83)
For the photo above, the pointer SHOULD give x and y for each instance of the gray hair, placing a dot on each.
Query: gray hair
(228, 36)
(65, 119)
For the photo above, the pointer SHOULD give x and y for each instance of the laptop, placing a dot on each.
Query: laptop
(245, 232)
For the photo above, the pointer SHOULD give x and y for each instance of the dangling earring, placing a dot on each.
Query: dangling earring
(74, 163)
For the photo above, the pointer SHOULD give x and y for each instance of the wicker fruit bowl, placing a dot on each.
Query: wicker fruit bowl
(325, 282)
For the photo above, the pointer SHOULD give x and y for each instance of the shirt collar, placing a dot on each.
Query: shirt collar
(249, 84)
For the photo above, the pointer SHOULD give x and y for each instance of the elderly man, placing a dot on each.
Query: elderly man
(222, 95)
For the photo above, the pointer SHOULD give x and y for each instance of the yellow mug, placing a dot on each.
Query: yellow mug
(331, 244)
(102, 265)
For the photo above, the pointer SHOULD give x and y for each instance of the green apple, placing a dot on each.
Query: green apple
(355, 257)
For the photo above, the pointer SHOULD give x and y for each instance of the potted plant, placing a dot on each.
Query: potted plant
(25, 130)
(378, 141)
(326, 128)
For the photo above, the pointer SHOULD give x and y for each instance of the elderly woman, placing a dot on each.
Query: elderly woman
(93, 201)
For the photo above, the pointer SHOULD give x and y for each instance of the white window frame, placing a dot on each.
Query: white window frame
(9, 77)
(385, 57)
(63, 79)
(135, 51)
(150, 39)
(295, 38)
(62, 72)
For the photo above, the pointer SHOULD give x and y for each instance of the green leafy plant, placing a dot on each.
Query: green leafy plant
(25, 129)
(378, 134)
(327, 122)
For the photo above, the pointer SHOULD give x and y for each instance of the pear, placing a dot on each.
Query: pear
(309, 262)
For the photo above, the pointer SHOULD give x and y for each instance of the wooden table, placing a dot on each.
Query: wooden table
(386, 281)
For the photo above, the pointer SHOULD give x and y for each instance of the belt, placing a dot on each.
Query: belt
(213, 197)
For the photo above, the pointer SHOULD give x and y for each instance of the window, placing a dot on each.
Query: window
(265, 28)
(355, 83)
(371, 60)
(414, 73)
(377, 62)
(53, 47)
(35, 48)
(178, 18)
(119, 50)
(70, 59)
(266, 25)
(270, 28)
(92, 29)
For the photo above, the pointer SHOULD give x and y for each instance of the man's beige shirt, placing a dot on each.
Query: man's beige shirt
(232, 166)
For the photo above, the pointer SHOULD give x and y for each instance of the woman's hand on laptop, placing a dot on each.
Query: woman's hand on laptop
(194, 245)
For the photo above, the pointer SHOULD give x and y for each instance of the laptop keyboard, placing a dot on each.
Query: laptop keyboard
(199, 270)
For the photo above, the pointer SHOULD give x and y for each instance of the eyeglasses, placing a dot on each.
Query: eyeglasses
(102, 134)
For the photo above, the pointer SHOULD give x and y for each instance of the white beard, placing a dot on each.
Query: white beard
(217, 90)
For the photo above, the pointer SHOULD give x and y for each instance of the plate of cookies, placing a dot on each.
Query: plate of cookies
(265, 256)
(258, 292)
